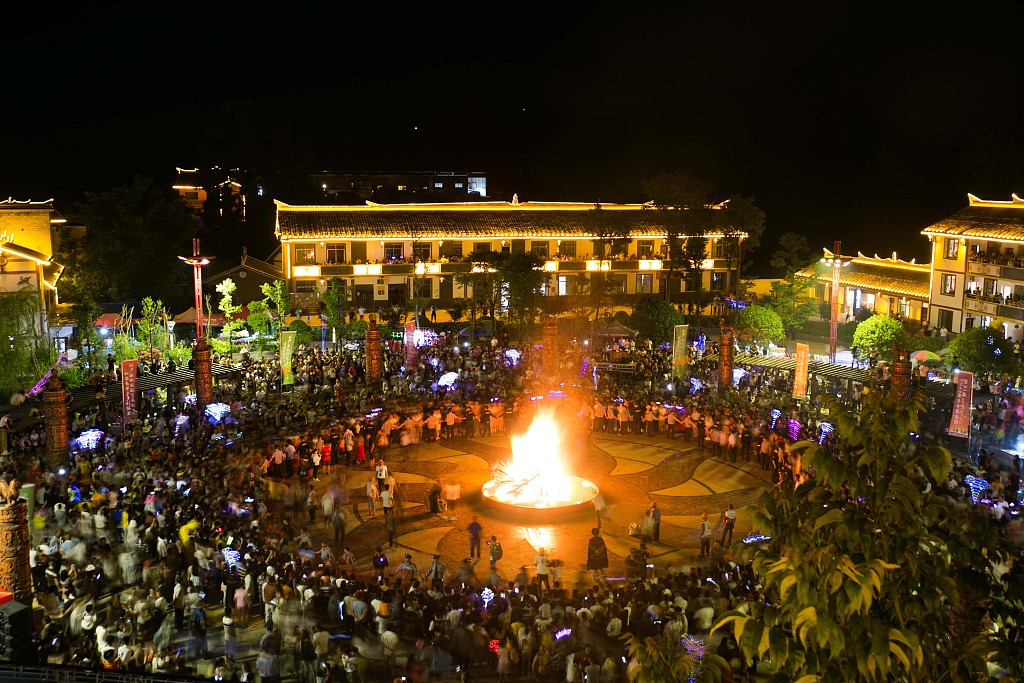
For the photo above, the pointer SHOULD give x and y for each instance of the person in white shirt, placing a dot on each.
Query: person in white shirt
(540, 561)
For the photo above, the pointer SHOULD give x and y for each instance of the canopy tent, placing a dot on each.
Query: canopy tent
(109, 320)
(189, 318)
(613, 328)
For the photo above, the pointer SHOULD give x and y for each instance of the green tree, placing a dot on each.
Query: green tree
(692, 214)
(226, 288)
(867, 578)
(655, 319)
(664, 660)
(277, 293)
(522, 273)
(982, 350)
(789, 295)
(484, 284)
(760, 324)
(881, 332)
(130, 249)
(304, 333)
(151, 328)
(332, 305)
(259, 317)
(24, 353)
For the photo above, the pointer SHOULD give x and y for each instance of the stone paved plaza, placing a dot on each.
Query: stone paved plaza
(630, 470)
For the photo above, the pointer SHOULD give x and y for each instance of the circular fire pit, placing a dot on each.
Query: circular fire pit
(579, 492)
(534, 483)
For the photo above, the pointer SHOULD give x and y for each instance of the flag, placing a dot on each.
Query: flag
(680, 351)
(803, 354)
(287, 347)
(960, 421)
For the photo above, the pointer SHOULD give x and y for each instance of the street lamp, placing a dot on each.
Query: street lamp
(836, 262)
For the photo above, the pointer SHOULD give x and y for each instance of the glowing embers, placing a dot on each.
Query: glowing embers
(89, 439)
(535, 478)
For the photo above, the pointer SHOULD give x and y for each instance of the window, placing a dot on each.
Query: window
(305, 286)
(421, 251)
(336, 253)
(717, 282)
(645, 248)
(539, 249)
(479, 247)
(423, 289)
(305, 256)
(394, 251)
(904, 308)
(948, 284)
(568, 248)
(401, 188)
(616, 284)
(563, 285)
(718, 248)
(952, 248)
(458, 186)
(457, 249)
(819, 292)
(644, 284)
(438, 186)
(192, 195)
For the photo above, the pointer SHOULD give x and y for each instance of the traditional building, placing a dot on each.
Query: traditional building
(248, 273)
(195, 187)
(28, 239)
(412, 186)
(886, 286)
(977, 274)
(383, 251)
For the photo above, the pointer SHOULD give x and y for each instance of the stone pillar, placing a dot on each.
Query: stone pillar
(204, 378)
(55, 417)
(15, 574)
(551, 349)
(726, 353)
(902, 383)
(374, 353)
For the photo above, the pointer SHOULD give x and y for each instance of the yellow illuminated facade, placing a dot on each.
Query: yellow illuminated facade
(885, 286)
(28, 239)
(978, 267)
(390, 253)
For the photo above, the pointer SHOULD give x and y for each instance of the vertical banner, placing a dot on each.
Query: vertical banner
(287, 348)
(803, 356)
(726, 354)
(680, 351)
(960, 421)
(129, 391)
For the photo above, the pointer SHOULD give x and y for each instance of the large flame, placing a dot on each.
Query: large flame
(535, 476)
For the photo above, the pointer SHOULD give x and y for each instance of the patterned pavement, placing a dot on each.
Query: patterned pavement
(631, 471)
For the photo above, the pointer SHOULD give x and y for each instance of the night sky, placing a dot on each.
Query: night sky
(858, 121)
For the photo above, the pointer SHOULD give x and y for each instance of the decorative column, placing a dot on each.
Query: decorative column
(551, 349)
(55, 417)
(726, 353)
(204, 378)
(412, 354)
(201, 353)
(15, 574)
(374, 359)
(902, 382)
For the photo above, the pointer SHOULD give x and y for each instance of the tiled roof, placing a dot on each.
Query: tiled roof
(884, 275)
(983, 219)
(469, 219)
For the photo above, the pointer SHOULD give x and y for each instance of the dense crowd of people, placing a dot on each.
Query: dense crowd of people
(160, 544)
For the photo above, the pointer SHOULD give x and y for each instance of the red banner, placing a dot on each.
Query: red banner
(726, 353)
(803, 356)
(129, 392)
(960, 421)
